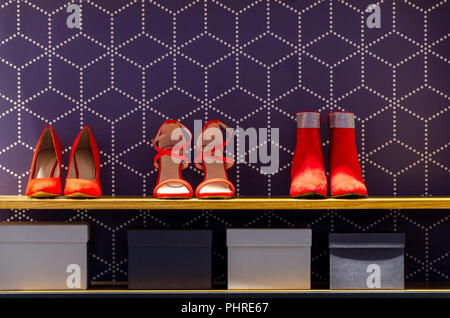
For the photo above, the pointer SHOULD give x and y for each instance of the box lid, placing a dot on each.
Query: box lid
(44, 232)
(269, 237)
(170, 238)
(367, 240)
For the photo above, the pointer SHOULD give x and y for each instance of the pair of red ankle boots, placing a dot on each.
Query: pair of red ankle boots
(308, 171)
(83, 174)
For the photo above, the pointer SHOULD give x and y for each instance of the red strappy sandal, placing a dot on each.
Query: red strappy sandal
(171, 143)
(214, 164)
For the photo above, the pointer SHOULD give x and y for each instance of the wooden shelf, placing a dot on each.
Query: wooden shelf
(249, 203)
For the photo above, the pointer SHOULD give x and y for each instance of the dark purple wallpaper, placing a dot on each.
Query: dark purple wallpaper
(250, 63)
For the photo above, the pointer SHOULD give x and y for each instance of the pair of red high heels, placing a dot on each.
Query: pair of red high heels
(171, 142)
(83, 177)
(308, 171)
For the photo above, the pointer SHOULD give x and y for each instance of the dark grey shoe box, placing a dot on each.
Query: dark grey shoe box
(169, 259)
(43, 256)
(367, 261)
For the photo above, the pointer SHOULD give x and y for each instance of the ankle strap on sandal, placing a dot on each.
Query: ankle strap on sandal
(176, 151)
(209, 152)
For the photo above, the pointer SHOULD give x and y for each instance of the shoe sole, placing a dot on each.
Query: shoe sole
(171, 198)
(351, 195)
(42, 194)
(215, 197)
(80, 195)
(310, 195)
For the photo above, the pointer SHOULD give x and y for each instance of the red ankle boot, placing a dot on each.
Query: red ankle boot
(308, 176)
(345, 172)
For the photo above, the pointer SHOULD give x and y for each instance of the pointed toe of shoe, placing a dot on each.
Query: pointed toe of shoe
(309, 190)
(345, 185)
(82, 188)
(309, 183)
(44, 187)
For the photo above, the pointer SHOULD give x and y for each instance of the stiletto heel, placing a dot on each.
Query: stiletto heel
(83, 176)
(171, 144)
(214, 164)
(45, 173)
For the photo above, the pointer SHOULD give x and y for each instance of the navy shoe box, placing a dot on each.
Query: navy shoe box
(169, 259)
(367, 261)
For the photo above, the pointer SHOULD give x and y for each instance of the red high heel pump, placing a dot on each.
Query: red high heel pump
(308, 178)
(171, 144)
(45, 173)
(345, 172)
(83, 176)
(214, 164)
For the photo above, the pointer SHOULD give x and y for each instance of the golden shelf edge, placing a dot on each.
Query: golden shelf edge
(243, 203)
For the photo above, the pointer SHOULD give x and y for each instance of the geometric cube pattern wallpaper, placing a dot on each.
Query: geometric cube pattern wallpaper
(253, 63)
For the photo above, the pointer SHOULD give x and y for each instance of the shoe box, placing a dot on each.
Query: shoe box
(43, 256)
(367, 261)
(169, 259)
(269, 258)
